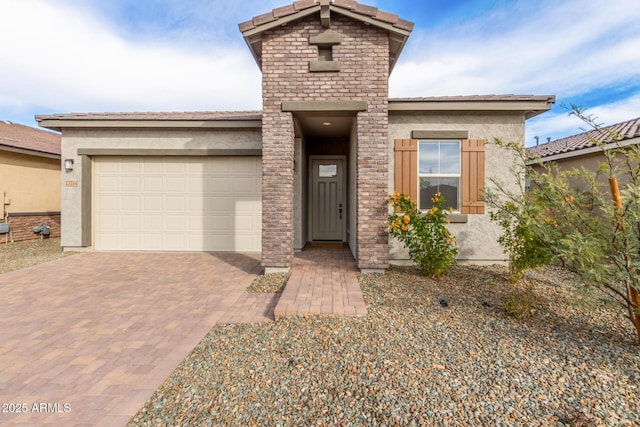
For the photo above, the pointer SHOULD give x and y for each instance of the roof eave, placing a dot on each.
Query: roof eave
(530, 108)
(253, 37)
(585, 151)
(61, 123)
(29, 152)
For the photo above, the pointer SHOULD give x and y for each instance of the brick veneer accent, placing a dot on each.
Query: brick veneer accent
(22, 226)
(364, 63)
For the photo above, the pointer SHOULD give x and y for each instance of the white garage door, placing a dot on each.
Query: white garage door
(178, 203)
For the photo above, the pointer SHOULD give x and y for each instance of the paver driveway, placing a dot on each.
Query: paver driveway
(85, 340)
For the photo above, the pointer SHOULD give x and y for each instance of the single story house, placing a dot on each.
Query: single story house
(29, 180)
(586, 149)
(317, 163)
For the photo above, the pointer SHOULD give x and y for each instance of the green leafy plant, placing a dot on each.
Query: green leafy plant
(588, 225)
(431, 246)
(523, 246)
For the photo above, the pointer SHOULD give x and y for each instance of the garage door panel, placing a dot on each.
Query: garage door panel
(177, 167)
(217, 184)
(107, 183)
(175, 242)
(176, 223)
(152, 203)
(129, 240)
(109, 223)
(108, 203)
(107, 240)
(130, 165)
(175, 184)
(152, 223)
(218, 225)
(130, 223)
(150, 166)
(152, 240)
(175, 204)
(178, 204)
(195, 184)
(245, 184)
(245, 223)
(218, 205)
(130, 203)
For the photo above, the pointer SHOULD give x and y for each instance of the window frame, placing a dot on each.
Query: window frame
(458, 176)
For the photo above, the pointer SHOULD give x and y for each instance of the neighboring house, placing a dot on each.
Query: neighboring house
(586, 149)
(29, 179)
(316, 164)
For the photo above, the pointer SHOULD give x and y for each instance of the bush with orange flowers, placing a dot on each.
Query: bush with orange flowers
(430, 244)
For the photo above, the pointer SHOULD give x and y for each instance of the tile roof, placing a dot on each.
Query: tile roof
(477, 98)
(614, 133)
(14, 135)
(349, 5)
(159, 116)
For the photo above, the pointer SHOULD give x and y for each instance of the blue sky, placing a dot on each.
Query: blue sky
(62, 56)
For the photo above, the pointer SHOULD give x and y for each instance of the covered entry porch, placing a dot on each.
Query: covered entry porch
(334, 183)
(325, 176)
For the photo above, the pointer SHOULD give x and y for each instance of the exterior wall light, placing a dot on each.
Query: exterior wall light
(68, 165)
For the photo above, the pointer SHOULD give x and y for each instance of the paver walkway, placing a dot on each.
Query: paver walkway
(87, 339)
(323, 281)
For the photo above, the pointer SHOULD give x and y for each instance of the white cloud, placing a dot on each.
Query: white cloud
(88, 55)
(562, 124)
(529, 47)
(72, 60)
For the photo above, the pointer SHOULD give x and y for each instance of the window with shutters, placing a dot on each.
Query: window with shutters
(453, 167)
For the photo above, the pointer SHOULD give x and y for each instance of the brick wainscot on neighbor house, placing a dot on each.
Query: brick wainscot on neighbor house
(29, 181)
(316, 164)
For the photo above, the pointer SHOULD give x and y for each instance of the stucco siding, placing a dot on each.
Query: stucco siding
(32, 184)
(477, 238)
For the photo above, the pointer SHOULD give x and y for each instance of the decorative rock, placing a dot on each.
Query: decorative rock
(410, 363)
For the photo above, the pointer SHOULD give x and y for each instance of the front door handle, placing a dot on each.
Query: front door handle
(340, 210)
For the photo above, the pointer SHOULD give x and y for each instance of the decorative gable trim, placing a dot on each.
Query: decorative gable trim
(399, 29)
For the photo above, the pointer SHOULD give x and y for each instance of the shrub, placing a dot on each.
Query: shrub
(523, 246)
(431, 246)
(520, 304)
(590, 228)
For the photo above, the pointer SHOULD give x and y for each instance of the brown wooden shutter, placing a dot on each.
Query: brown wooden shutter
(472, 176)
(406, 167)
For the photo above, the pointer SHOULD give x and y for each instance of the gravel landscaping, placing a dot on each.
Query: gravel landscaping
(26, 253)
(269, 284)
(437, 351)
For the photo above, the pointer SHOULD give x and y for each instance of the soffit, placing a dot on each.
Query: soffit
(530, 105)
(201, 119)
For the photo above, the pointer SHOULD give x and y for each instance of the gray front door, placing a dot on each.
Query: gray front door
(328, 210)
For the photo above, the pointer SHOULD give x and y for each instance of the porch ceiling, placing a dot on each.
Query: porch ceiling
(324, 125)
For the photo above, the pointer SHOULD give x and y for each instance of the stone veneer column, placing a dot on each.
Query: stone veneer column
(277, 188)
(372, 171)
